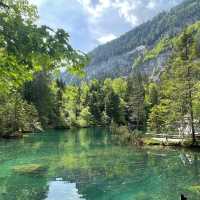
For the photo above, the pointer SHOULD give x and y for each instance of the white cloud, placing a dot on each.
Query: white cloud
(37, 2)
(151, 4)
(125, 9)
(106, 38)
(95, 11)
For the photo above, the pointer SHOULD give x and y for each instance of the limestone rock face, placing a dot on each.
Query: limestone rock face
(154, 67)
(119, 65)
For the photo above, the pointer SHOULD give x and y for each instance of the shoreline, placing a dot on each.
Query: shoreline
(182, 143)
(145, 140)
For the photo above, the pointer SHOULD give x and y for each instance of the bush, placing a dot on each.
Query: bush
(123, 135)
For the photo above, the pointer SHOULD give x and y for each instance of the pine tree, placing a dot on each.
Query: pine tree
(135, 101)
(178, 87)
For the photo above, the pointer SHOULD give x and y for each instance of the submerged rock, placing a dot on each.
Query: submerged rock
(29, 169)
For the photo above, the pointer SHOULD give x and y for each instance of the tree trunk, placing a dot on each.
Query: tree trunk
(189, 78)
(192, 119)
(191, 107)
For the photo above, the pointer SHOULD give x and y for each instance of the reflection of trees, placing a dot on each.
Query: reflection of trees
(104, 170)
(31, 150)
(20, 187)
(196, 167)
(99, 169)
(176, 176)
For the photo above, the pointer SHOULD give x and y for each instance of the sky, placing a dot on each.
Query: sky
(94, 22)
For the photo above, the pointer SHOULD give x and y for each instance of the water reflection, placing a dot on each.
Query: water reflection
(63, 190)
(91, 167)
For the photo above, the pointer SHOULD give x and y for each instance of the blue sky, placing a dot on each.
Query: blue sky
(94, 22)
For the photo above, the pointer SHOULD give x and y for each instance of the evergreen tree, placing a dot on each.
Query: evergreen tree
(135, 101)
(178, 86)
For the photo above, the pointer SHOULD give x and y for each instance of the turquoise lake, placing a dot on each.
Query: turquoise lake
(86, 164)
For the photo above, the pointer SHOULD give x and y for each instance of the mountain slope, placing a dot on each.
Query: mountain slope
(117, 57)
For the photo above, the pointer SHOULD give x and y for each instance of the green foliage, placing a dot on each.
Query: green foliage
(84, 120)
(151, 94)
(104, 103)
(95, 103)
(178, 95)
(29, 57)
(157, 118)
(136, 115)
(17, 116)
(196, 101)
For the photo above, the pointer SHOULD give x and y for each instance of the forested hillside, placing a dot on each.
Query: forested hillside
(168, 105)
(34, 96)
(116, 58)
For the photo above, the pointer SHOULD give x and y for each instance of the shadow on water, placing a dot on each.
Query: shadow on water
(84, 164)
